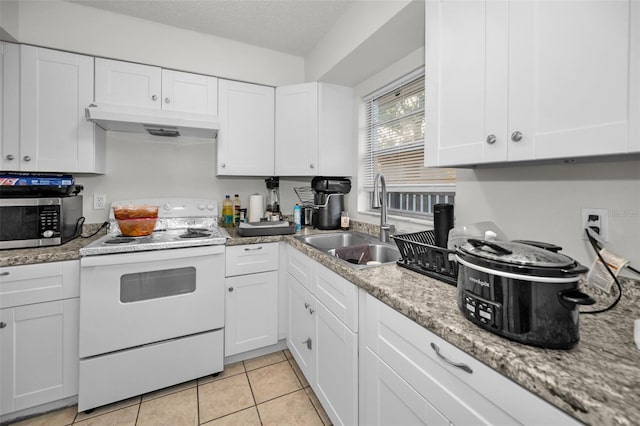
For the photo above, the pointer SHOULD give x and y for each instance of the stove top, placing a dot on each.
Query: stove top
(181, 223)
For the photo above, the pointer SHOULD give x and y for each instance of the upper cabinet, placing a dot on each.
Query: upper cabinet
(245, 144)
(314, 130)
(146, 86)
(516, 81)
(44, 125)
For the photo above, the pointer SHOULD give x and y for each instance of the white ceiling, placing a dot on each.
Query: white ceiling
(290, 26)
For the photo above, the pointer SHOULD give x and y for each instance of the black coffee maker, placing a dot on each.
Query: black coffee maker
(328, 200)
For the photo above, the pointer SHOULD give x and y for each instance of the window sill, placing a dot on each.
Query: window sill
(398, 221)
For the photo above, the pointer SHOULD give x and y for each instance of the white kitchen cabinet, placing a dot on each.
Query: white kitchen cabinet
(245, 145)
(388, 399)
(146, 86)
(53, 135)
(127, 83)
(517, 81)
(38, 334)
(451, 382)
(301, 340)
(10, 106)
(314, 131)
(323, 337)
(251, 314)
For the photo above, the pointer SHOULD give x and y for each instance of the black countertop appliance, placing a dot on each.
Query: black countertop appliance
(525, 293)
(328, 200)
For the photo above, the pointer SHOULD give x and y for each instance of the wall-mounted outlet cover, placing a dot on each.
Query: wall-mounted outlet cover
(99, 201)
(597, 219)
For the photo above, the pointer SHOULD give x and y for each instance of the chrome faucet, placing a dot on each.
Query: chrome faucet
(379, 201)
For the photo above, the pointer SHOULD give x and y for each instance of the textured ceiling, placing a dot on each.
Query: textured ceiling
(290, 26)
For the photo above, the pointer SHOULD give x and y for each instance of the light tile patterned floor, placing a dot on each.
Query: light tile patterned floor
(268, 390)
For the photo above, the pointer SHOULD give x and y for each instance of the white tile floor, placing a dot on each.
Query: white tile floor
(268, 390)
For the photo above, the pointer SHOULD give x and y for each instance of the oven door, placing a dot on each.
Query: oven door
(133, 299)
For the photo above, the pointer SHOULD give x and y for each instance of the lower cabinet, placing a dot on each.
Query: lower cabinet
(251, 313)
(410, 373)
(38, 334)
(325, 347)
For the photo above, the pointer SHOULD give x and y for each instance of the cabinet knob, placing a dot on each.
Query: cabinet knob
(26, 158)
(516, 136)
(230, 289)
(311, 311)
(154, 98)
(491, 139)
(3, 324)
(308, 343)
(306, 305)
(223, 165)
(311, 166)
(9, 157)
(167, 100)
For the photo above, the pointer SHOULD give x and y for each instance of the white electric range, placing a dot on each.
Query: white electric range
(152, 308)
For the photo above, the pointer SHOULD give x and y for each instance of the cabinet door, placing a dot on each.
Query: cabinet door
(126, 83)
(336, 141)
(390, 400)
(246, 135)
(39, 354)
(301, 340)
(568, 78)
(192, 93)
(10, 107)
(466, 69)
(251, 316)
(297, 130)
(55, 88)
(336, 383)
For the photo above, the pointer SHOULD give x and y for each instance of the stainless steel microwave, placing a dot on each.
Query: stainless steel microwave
(39, 222)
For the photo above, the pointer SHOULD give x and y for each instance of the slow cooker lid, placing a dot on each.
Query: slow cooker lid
(509, 252)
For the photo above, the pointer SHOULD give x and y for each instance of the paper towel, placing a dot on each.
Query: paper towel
(256, 207)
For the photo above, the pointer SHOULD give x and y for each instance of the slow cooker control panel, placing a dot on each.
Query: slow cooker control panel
(482, 311)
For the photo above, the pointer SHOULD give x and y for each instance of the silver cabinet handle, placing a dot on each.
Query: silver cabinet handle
(463, 367)
(491, 139)
(516, 136)
(167, 100)
(306, 305)
(154, 98)
(26, 158)
(311, 311)
(230, 289)
(3, 324)
(9, 157)
(252, 249)
(4, 274)
(308, 343)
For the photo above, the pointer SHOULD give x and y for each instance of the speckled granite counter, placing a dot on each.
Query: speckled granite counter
(597, 382)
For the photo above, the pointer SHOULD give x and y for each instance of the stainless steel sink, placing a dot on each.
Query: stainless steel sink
(380, 252)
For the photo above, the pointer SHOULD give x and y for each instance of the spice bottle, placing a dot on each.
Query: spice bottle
(344, 221)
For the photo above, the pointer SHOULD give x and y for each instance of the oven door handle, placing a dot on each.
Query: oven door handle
(150, 256)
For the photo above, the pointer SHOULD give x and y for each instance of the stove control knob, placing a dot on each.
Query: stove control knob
(201, 206)
(167, 206)
(210, 206)
(47, 234)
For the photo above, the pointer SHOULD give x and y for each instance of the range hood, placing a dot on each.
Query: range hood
(118, 118)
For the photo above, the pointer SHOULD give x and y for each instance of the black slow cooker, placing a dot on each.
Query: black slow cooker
(522, 292)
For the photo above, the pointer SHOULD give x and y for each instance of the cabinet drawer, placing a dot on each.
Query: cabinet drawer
(478, 396)
(300, 267)
(251, 258)
(26, 284)
(337, 294)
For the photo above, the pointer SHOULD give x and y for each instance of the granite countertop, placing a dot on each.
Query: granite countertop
(597, 382)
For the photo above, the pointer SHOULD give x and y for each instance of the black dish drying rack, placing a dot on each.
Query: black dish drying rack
(421, 255)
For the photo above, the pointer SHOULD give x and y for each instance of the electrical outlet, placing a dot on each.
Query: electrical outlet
(596, 219)
(99, 201)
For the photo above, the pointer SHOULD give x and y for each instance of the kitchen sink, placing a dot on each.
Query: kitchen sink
(381, 253)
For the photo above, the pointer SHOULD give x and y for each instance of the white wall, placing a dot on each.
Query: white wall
(544, 202)
(68, 26)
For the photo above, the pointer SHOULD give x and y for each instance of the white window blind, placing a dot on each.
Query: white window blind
(395, 147)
